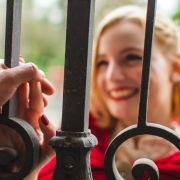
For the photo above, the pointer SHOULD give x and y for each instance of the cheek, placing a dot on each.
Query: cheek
(160, 88)
(135, 74)
(160, 76)
(100, 81)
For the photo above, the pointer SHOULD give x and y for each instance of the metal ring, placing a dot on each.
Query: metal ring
(31, 142)
(150, 129)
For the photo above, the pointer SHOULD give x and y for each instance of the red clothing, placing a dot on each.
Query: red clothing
(169, 167)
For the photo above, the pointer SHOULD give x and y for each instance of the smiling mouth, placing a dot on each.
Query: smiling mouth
(123, 94)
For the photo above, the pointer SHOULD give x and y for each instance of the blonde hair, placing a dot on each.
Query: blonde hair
(166, 32)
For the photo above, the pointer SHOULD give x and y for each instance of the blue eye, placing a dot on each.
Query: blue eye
(101, 63)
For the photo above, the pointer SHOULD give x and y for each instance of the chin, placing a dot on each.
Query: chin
(126, 117)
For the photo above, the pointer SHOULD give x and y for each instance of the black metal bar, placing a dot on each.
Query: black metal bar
(7, 118)
(151, 9)
(74, 142)
(12, 46)
(72, 155)
(75, 113)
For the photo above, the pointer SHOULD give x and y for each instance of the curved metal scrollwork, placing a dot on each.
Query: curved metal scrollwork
(7, 118)
(150, 129)
(31, 143)
(141, 165)
(145, 165)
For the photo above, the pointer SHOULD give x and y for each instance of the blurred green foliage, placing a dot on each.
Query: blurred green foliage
(177, 13)
(43, 41)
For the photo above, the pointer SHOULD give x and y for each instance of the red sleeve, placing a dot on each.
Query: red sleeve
(169, 167)
(47, 171)
(98, 152)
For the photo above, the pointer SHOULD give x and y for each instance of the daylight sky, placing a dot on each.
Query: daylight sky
(167, 6)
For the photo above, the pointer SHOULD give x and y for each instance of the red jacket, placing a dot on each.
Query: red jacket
(169, 167)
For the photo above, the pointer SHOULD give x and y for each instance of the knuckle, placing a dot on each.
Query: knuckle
(10, 77)
(32, 67)
(34, 70)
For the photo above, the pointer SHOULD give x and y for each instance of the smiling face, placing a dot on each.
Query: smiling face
(118, 66)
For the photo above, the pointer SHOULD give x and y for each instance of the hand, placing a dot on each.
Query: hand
(31, 107)
(31, 84)
(11, 79)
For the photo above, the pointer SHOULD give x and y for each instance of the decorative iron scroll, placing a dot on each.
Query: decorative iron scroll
(142, 165)
(7, 118)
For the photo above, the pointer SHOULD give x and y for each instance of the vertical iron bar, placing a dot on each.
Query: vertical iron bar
(25, 131)
(151, 9)
(74, 142)
(12, 47)
(75, 113)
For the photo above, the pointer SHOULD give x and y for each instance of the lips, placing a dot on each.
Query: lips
(123, 93)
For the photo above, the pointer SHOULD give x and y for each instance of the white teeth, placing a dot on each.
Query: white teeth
(121, 93)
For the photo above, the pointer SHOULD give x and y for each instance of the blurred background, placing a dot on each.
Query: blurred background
(43, 37)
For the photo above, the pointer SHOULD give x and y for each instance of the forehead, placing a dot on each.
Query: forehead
(125, 33)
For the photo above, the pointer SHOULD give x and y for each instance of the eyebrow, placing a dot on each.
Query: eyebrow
(139, 49)
(100, 55)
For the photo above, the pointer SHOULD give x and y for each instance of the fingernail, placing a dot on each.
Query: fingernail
(45, 120)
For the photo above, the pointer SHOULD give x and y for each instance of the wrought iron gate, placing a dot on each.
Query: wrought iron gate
(74, 141)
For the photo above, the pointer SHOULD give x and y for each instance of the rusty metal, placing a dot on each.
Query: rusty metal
(7, 118)
(142, 165)
(74, 142)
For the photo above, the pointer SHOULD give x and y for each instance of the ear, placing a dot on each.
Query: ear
(175, 74)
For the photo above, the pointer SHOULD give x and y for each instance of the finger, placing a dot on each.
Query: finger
(22, 62)
(47, 87)
(10, 79)
(42, 72)
(36, 105)
(48, 131)
(35, 97)
(23, 73)
(47, 128)
(23, 100)
(45, 101)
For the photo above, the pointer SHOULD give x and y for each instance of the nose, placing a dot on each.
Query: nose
(115, 72)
